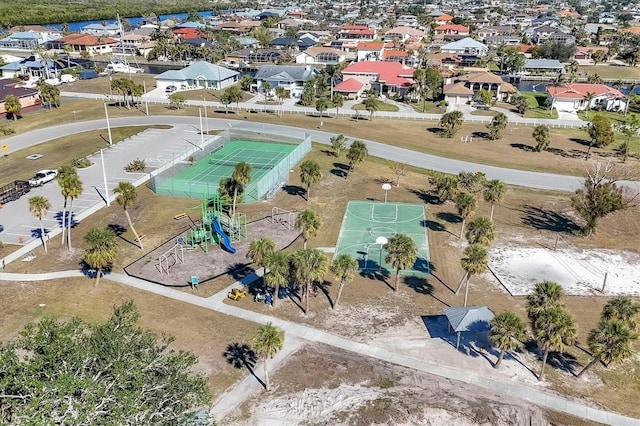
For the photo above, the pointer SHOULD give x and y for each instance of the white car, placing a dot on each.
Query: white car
(42, 177)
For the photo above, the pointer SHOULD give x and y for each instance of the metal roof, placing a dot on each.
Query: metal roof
(469, 318)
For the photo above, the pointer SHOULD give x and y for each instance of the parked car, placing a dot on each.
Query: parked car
(170, 89)
(42, 177)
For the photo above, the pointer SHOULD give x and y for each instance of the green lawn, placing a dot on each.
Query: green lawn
(615, 117)
(536, 110)
(381, 107)
(430, 107)
(612, 72)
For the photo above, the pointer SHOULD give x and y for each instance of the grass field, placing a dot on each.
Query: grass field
(382, 106)
(612, 71)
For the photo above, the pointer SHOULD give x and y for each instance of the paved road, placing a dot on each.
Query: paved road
(536, 396)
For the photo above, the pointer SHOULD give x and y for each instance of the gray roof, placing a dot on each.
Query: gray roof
(285, 73)
(209, 71)
(468, 318)
(462, 44)
(543, 63)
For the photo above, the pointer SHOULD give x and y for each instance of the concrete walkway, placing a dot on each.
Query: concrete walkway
(539, 397)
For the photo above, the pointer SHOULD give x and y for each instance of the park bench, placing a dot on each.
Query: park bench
(140, 237)
(180, 216)
(236, 294)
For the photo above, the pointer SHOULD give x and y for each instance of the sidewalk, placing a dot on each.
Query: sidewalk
(535, 396)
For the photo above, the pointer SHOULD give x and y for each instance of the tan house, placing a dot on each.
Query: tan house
(93, 44)
(457, 93)
(484, 80)
(320, 55)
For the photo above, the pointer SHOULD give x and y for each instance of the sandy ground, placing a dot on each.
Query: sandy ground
(579, 272)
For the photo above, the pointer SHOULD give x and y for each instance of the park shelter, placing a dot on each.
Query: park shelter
(468, 318)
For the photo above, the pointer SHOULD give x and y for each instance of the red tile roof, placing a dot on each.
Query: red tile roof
(354, 27)
(370, 46)
(86, 40)
(452, 27)
(350, 85)
(390, 73)
(392, 53)
(444, 17)
(580, 90)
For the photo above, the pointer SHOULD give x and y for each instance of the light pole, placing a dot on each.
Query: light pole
(385, 187)
(201, 129)
(206, 117)
(146, 101)
(106, 114)
(104, 177)
(382, 241)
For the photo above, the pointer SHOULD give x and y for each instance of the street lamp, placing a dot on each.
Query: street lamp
(106, 114)
(386, 187)
(382, 241)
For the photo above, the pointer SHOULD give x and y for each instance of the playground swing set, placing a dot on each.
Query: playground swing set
(215, 227)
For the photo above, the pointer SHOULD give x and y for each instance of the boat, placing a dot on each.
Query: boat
(122, 66)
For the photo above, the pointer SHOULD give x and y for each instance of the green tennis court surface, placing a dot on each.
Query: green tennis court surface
(205, 174)
(365, 221)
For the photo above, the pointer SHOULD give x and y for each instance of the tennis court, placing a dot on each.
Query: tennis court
(365, 222)
(270, 164)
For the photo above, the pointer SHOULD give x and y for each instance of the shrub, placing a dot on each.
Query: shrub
(81, 163)
(136, 165)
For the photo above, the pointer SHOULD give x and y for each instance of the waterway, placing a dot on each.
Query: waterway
(135, 21)
(540, 86)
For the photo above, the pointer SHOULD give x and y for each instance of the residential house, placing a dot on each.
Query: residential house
(469, 50)
(443, 61)
(28, 96)
(200, 75)
(483, 80)
(299, 44)
(369, 51)
(28, 40)
(502, 40)
(574, 97)
(607, 18)
(495, 30)
(542, 66)
(387, 78)
(394, 55)
(356, 32)
(100, 30)
(584, 52)
(86, 43)
(31, 68)
(320, 55)
(457, 94)
(407, 21)
(403, 34)
(135, 44)
(351, 88)
(450, 32)
(443, 19)
(291, 77)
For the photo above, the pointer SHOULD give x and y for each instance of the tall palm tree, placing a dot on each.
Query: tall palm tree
(260, 249)
(622, 308)
(589, 97)
(126, 197)
(101, 250)
(609, 342)
(371, 104)
(279, 265)
(242, 176)
(494, 193)
(557, 82)
(338, 143)
(63, 173)
(344, 266)
(74, 190)
(474, 262)
(553, 329)
(39, 206)
(357, 153)
(308, 223)
(337, 100)
(466, 205)
(309, 265)
(480, 231)
(451, 122)
(507, 331)
(545, 295)
(402, 253)
(266, 89)
(281, 94)
(12, 106)
(310, 174)
(267, 342)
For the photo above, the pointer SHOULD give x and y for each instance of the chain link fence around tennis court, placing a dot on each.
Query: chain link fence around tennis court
(167, 181)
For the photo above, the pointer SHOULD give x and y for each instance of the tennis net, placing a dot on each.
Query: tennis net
(216, 162)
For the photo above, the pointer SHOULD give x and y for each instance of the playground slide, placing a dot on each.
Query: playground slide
(224, 238)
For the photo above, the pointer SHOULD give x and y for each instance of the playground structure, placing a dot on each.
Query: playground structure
(215, 227)
(174, 254)
(284, 217)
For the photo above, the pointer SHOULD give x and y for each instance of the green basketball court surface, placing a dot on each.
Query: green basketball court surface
(365, 222)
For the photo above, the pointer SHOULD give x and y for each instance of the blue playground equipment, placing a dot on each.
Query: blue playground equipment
(224, 238)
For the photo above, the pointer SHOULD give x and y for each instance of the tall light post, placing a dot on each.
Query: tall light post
(146, 101)
(201, 129)
(104, 178)
(106, 114)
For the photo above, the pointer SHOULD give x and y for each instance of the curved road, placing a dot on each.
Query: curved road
(393, 153)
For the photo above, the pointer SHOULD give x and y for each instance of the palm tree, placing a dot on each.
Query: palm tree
(545, 295)
(12, 106)
(557, 82)
(338, 143)
(279, 265)
(322, 104)
(310, 174)
(241, 176)
(245, 82)
(266, 89)
(507, 331)
(73, 186)
(309, 265)
(39, 206)
(497, 124)
(101, 251)
(609, 342)
(475, 262)
(402, 253)
(451, 122)
(281, 94)
(126, 197)
(267, 342)
(260, 249)
(308, 223)
(344, 266)
(480, 231)
(63, 173)
(541, 136)
(371, 104)
(357, 153)
(466, 205)
(494, 193)
(589, 96)
(553, 329)
(622, 308)
(337, 100)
